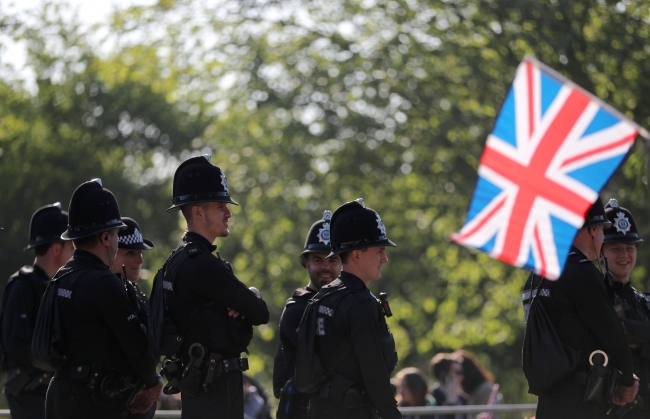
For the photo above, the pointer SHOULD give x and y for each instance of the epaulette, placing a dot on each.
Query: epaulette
(191, 250)
(585, 260)
(26, 270)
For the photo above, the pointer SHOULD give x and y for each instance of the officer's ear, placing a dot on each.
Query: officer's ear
(105, 238)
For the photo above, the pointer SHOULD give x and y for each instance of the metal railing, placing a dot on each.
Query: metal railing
(413, 412)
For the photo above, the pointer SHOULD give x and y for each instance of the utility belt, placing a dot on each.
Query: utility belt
(20, 380)
(200, 370)
(342, 392)
(105, 383)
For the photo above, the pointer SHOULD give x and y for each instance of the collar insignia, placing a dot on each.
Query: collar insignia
(224, 181)
(380, 225)
(622, 223)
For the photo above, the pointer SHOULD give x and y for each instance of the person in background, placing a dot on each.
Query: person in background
(447, 369)
(255, 400)
(413, 390)
(129, 260)
(477, 382)
(321, 271)
(26, 386)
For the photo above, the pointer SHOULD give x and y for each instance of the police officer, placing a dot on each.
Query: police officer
(584, 319)
(352, 337)
(105, 348)
(127, 266)
(205, 297)
(321, 270)
(619, 250)
(26, 386)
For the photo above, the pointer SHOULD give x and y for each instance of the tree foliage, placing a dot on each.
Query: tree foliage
(306, 105)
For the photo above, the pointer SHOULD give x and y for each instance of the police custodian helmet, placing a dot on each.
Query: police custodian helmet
(318, 238)
(47, 225)
(93, 210)
(356, 227)
(596, 215)
(197, 180)
(131, 237)
(623, 229)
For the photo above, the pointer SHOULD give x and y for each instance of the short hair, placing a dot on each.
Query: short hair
(416, 381)
(441, 364)
(474, 373)
(345, 256)
(187, 210)
(87, 242)
(41, 249)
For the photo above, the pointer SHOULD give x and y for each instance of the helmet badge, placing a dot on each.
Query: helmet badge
(622, 223)
(224, 181)
(380, 225)
(324, 233)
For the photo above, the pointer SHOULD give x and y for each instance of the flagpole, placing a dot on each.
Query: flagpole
(642, 131)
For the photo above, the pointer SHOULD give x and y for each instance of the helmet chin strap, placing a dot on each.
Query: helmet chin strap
(110, 262)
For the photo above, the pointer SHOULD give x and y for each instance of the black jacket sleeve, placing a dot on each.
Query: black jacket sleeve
(214, 278)
(112, 304)
(18, 318)
(366, 345)
(596, 310)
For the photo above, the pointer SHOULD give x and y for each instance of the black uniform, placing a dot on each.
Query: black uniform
(207, 282)
(285, 358)
(101, 335)
(634, 307)
(353, 323)
(583, 316)
(143, 317)
(20, 304)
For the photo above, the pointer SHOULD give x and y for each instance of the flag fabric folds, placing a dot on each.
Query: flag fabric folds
(552, 149)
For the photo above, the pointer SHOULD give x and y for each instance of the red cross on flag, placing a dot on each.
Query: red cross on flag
(552, 149)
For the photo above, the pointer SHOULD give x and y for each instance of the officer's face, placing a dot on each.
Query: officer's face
(132, 260)
(217, 215)
(322, 271)
(371, 262)
(621, 258)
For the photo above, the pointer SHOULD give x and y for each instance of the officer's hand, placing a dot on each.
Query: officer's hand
(256, 292)
(147, 397)
(234, 313)
(624, 394)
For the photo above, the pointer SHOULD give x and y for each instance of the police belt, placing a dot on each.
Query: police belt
(95, 375)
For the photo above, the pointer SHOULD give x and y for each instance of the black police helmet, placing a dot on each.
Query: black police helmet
(623, 229)
(596, 215)
(131, 237)
(197, 180)
(356, 227)
(47, 225)
(318, 238)
(92, 209)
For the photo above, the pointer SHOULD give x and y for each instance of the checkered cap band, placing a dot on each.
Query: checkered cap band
(134, 238)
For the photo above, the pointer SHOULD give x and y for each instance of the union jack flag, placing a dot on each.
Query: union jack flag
(552, 149)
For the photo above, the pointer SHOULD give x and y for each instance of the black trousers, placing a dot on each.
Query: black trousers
(28, 405)
(566, 403)
(67, 400)
(223, 400)
(324, 409)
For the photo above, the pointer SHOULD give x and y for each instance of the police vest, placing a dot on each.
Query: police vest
(203, 324)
